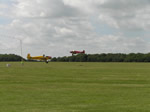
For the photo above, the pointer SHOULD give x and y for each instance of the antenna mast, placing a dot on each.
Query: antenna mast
(21, 46)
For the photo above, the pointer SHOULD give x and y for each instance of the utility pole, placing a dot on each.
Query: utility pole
(21, 52)
(21, 46)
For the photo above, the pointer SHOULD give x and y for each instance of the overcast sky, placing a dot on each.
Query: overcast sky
(54, 27)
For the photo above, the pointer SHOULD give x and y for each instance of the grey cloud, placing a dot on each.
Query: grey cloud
(47, 9)
(125, 4)
(126, 14)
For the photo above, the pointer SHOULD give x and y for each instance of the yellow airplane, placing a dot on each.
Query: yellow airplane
(40, 58)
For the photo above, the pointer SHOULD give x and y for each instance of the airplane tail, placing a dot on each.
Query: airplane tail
(28, 56)
(83, 51)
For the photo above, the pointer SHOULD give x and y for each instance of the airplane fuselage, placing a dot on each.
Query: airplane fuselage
(41, 58)
(78, 52)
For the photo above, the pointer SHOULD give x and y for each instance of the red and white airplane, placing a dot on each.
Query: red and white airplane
(77, 52)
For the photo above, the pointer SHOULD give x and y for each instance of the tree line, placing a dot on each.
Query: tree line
(110, 57)
(10, 57)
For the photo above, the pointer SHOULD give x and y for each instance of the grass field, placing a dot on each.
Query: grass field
(75, 87)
